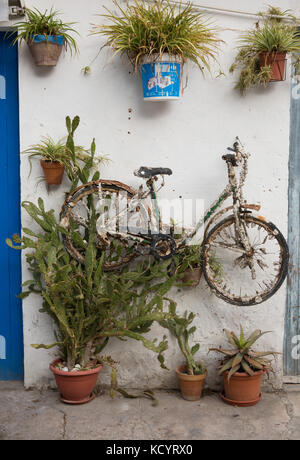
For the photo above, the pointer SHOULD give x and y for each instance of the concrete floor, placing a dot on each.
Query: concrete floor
(35, 415)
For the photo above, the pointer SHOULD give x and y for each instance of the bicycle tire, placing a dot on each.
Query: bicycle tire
(272, 229)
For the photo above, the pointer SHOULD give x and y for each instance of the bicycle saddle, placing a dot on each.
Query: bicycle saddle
(150, 172)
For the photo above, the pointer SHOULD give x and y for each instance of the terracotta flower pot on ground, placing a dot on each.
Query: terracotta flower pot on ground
(193, 275)
(277, 62)
(53, 171)
(75, 387)
(242, 389)
(191, 386)
(46, 52)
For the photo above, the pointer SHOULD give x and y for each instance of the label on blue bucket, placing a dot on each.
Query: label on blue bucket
(57, 39)
(161, 79)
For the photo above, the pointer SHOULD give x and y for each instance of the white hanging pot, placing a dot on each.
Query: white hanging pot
(161, 77)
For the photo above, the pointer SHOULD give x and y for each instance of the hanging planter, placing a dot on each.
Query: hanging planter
(277, 64)
(161, 78)
(46, 50)
(261, 58)
(158, 38)
(53, 171)
(45, 35)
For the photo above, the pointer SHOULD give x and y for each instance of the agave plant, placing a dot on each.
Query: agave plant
(242, 358)
(148, 29)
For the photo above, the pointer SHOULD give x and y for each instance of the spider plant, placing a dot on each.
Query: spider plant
(155, 28)
(273, 37)
(44, 23)
(242, 358)
(76, 159)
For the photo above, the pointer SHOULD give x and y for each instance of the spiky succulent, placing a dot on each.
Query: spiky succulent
(242, 358)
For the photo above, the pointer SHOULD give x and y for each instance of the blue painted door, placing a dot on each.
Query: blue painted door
(292, 318)
(11, 337)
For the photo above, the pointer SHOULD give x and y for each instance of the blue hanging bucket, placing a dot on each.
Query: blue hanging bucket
(161, 78)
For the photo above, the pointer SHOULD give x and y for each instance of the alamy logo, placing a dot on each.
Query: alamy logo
(2, 347)
(2, 87)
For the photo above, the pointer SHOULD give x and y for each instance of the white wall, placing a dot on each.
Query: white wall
(189, 136)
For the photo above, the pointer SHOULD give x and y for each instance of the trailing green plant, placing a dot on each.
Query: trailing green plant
(78, 161)
(180, 328)
(273, 36)
(89, 306)
(242, 358)
(44, 23)
(149, 29)
(190, 257)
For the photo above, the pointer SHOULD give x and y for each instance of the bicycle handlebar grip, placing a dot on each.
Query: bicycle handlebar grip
(230, 158)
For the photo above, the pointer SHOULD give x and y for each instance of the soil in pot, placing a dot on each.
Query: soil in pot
(75, 387)
(277, 62)
(242, 389)
(191, 386)
(192, 275)
(53, 171)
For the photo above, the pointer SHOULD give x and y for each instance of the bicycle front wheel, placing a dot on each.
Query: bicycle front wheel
(239, 278)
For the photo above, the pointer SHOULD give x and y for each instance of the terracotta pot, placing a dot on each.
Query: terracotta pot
(53, 171)
(191, 386)
(242, 389)
(277, 63)
(193, 275)
(45, 53)
(75, 387)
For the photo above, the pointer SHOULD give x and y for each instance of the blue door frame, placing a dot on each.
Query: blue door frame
(11, 327)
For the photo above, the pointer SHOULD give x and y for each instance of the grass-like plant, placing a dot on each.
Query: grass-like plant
(272, 37)
(151, 29)
(242, 358)
(45, 23)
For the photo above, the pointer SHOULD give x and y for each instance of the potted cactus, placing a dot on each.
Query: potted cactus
(243, 368)
(191, 375)
(158, 38)
(46, 35)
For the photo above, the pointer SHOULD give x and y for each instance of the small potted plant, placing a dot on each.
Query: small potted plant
(45, 35)
(191, 375)
(62, 155)
(189, 262)
(262, 52)
(158, 38)
(243, 368)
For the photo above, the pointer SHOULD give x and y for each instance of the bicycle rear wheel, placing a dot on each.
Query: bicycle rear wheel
(111, 201)
(235, 282)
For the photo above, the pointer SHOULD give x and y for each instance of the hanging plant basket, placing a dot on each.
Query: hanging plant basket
(46, 50)
(277, 62)
(161, 78)
(193, 275)
(53, 171)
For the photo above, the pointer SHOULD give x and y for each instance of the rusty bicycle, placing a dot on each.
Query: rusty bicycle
(253, 252)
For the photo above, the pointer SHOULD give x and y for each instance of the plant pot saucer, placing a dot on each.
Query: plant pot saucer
(231, 402)
(82, 401)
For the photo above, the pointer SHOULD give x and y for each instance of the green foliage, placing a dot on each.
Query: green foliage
(90, 306)
(180, 328)
(146, 29)
(273, 36)
(242, 358)
(77, 160)
(44, 23)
